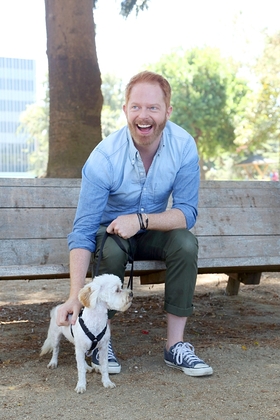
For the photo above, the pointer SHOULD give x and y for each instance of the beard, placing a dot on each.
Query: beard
(146, 137)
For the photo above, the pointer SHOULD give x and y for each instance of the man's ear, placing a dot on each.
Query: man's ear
(169, 111)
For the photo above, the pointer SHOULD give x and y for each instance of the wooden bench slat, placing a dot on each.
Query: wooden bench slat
(239, 246)
(225, 251)
(39, 182)
(45, 197)
(34, 271)
(34, 252)
(248, 221)
(33, 223)
(239, 194)
(142, 268)
(65, 192)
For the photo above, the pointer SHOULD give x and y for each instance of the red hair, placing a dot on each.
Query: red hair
(152, 78)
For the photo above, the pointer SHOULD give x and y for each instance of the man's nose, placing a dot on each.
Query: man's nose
(143, 112)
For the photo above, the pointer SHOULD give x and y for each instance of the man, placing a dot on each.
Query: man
(126, 183)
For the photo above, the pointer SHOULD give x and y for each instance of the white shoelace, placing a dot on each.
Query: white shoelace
(185, 351)
(110, 352)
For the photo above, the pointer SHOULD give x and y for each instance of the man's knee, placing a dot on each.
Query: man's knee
(184, 243)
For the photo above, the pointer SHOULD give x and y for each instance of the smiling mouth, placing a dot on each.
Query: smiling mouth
(144, 128)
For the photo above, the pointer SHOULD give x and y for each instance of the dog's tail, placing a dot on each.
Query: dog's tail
(48, 344)
(47, 347)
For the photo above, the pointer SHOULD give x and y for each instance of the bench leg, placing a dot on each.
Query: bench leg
(232, 286)
(234, 280)
(153, 278)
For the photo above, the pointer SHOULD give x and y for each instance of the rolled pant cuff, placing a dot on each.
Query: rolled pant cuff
(174, 310)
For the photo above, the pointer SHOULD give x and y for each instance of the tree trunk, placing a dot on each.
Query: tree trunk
(75, 86)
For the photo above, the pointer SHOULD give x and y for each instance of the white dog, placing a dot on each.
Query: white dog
(91, 329)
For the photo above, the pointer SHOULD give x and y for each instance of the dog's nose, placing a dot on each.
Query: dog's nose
(131, 294)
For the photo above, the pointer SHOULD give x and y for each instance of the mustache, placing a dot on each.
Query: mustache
(146, 121)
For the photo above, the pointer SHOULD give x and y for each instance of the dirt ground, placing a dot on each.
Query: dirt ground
(238, 335)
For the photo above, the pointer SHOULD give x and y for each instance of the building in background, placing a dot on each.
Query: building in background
(17, 90)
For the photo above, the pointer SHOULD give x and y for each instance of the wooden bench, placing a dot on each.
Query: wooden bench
(238, 230)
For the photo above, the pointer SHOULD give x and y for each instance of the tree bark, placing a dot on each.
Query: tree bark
(75, 86)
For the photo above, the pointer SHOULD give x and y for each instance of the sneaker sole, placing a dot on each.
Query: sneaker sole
(207, 371)
(113, 370)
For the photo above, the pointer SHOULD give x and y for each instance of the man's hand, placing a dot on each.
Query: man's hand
(124, 226)
(70, 307)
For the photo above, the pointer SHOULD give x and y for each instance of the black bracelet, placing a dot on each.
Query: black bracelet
(141, 222)
(146, 220)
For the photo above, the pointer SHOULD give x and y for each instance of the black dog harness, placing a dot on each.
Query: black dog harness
(92, 337)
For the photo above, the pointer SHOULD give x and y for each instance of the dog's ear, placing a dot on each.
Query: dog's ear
(88, 295)
(94, 296)
(84, 296)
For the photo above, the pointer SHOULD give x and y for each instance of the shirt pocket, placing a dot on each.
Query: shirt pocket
(161, 194)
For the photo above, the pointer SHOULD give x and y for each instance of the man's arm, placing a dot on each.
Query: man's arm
(128, 225)
(168, 220)
(79, 263)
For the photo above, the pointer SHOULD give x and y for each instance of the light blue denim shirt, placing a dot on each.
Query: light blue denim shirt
(114, 182)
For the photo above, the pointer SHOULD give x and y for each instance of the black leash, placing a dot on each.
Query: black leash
(130, 257)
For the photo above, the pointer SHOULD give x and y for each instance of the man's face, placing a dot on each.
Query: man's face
(146, 113)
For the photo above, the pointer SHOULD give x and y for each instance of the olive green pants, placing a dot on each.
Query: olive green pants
(178, 248)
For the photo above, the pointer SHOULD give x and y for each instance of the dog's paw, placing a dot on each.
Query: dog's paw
(52, 365)
(109, 384)
(80, 389)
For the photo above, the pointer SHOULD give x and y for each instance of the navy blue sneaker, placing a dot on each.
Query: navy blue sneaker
(181, 356)
(113, 364)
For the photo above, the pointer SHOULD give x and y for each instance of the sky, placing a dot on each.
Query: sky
(124, 46)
